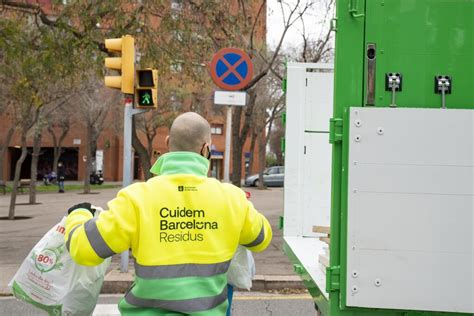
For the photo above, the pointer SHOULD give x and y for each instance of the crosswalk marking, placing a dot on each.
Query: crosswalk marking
(106, 310)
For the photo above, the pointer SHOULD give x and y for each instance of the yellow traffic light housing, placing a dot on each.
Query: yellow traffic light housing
(125, 64)
(146, 92)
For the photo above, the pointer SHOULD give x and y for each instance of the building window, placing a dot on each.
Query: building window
(176, 66)
(176, 8)
(216, 129)
(176, 5)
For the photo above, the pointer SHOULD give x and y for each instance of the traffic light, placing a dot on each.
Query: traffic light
(125, 64)
(146, 92)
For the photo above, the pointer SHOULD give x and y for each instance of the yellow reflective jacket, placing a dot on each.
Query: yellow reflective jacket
(183, 229)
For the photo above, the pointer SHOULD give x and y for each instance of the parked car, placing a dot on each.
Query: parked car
(272, 177)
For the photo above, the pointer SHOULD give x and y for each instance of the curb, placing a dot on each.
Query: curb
(116, 282)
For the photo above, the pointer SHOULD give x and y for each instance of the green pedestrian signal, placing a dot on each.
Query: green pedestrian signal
(146, 98)
(146, 89)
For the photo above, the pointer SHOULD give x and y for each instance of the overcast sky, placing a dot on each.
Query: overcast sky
(312, 20)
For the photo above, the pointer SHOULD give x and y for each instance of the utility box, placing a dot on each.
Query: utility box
(401, 186)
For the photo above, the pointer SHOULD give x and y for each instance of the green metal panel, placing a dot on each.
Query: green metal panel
(316, 293)
(348, 80)
(418, 38)
(421, 39)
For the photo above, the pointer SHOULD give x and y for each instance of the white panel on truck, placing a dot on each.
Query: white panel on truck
(308, 152)
(411, 209)
(308, 162)
(316, 184)
(318, 99)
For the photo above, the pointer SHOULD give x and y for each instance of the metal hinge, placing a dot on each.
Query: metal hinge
(299, 269)
(333, 24)
(333, 278)
(335, 130)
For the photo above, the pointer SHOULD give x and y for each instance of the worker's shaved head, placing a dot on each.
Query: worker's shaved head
(189, 132)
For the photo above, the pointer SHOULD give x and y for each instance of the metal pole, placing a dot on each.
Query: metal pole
(127, 163)
(228, 140)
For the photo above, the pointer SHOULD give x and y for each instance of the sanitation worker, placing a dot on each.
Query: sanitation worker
(182, 227)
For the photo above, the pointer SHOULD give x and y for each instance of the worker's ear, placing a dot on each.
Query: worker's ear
(167, 141)
(206, 151)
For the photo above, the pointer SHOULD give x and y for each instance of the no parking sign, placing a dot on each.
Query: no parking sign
(231, 69)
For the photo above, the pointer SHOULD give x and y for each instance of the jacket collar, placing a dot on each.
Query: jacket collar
(181, 162)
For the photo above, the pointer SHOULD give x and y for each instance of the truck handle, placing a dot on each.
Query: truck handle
(353, 9)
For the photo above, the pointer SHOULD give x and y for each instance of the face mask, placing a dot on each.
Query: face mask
(208, 156)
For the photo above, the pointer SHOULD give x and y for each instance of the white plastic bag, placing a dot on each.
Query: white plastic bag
(242, 269)
(49, 278)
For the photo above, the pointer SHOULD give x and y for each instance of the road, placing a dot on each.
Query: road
(245, 304)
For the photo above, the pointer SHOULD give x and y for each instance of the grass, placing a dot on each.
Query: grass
(67, 187)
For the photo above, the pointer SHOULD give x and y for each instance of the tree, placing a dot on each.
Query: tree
(94, 104)
(320, 48)
(34, 65)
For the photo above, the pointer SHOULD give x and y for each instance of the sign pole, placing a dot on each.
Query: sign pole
(228, 140)
(128, 114)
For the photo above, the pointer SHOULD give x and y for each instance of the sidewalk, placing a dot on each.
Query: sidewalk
(274, 271)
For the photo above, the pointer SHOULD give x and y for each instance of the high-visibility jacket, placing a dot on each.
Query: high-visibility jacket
(183, 229)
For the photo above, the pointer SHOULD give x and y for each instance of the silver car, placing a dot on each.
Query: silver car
(272, 177)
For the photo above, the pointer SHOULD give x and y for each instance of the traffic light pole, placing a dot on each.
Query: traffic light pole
(128, 114)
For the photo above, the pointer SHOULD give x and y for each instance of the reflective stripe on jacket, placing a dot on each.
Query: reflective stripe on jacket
(183, 229)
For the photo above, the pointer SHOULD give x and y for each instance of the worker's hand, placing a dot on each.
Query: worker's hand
(84, 205)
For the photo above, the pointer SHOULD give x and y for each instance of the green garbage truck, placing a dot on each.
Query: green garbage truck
(379, 162)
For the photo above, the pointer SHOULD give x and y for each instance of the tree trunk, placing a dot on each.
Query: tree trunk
(4, 150)
(56, 156)
(87, 170)
(34, 163)
(142, 152)
(252, 150)
(236, 148)
(58, 145)
(279, 154)
(16, 179)
(149, 145)
(261, 159)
